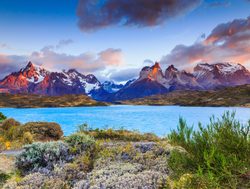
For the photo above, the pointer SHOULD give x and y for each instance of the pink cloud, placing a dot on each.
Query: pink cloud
(227, 42)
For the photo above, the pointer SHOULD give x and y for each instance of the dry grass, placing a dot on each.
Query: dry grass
(231, 96)
(7, 164)
(34, 101)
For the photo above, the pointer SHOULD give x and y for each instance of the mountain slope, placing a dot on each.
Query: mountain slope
(35, 101)
(211, 76)
(230, 96)
(151, 81)
(34, 79)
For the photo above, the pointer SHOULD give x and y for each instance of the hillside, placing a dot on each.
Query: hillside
(34, 101)
(231, 96)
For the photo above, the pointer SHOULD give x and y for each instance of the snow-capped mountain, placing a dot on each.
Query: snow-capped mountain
(180, 80)
(206, 76)
(111, 87)
(152, 80)
(211, 76)
(37, 80)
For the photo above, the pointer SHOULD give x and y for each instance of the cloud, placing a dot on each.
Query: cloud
(11, 63)
(99, 14)
(63, 43)
(85, 62)
(124, 75)
(228, 42)
(112, 57)
(3, 45)
(221, 3)
(148, 62)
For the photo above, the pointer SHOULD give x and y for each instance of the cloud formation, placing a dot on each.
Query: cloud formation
(124, 75)
(3, 45)
(228, 42)
(98, 14)
(85, 62)
(221, 3)
(10, 63)
(63, 43)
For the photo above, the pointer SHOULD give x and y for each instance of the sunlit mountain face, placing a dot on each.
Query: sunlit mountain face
(108, 49)
(151, 80)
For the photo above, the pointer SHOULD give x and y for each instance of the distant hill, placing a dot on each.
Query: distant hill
(34, 101)
(230, 96)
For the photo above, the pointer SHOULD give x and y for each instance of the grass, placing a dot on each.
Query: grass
(34, 101)
(117, 134)
(231, 96)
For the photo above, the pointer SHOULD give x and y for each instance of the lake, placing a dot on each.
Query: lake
(157, 119)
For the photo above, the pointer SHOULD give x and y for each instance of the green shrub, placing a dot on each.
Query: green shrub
(121, 135)
(2, 117)
(220, 151)
(80, 142)
(3, 178)
(44, 131)
(82, 128)
(39, 156)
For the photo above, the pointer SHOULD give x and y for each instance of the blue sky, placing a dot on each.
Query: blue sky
(28, 26)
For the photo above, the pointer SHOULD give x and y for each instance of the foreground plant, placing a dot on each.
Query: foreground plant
(217, 155)
(2, 117)
(42, 156)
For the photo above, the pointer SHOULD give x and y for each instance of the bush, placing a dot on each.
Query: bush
(3, 178)
(220, 151)
(44, 131)
(2, 117)
(121, 135)
(11, 129)
(27, 138)
(42, 156)
(80, 142)
(8, 123)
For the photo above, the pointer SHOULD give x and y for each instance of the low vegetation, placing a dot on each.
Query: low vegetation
(214, 156)
(231, 96)
(34, 101)
(2, 117)
(117, 135)
(13, 135)
(43, 130)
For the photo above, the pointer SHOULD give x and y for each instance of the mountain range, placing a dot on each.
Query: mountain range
(34, 79)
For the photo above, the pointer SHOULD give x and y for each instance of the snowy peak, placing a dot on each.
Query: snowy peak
(37, 80)
(223, 68)
(111, 87)
(180, 79)
(221, 74)
(34, 73)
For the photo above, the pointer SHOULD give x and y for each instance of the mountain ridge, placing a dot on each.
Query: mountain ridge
(152, 80)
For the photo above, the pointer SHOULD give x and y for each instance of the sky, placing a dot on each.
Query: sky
(114, 39)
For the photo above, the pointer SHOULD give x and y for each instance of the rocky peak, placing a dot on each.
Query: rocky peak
(171, 72)
(172, 68)
(153, 73)
(221, 74)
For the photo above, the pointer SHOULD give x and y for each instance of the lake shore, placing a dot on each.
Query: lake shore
(107, 158)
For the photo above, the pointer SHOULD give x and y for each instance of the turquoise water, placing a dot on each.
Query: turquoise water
(157, 119)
